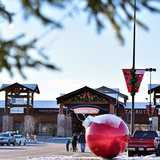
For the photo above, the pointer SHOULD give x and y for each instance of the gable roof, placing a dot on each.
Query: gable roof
(83, 89)
(32, 87)
(154, 87)
(114, 92)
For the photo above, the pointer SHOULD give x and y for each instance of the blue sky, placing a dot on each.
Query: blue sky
(87, 58)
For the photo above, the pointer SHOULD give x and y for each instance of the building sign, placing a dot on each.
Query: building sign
(45, 111)
(136, 111)
(17, 100)
(139, 75)
(86, 110)
(48, 111)
(17, 110)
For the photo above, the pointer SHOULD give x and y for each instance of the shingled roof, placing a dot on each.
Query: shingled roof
(32, 87)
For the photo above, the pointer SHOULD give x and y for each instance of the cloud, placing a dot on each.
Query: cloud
(70, 84)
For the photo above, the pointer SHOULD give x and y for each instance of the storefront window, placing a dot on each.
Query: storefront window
(46, 129)
(18, 127)
(139, 127)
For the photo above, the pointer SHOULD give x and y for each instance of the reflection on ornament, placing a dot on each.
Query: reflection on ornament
(107, 135)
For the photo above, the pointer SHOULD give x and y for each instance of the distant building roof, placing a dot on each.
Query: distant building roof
(33, 87)
(137, 105)
(153, 86)
(37, 104)
(112, 92)
(45, 104)
(53, 104)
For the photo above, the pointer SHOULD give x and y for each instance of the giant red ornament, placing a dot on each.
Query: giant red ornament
(107, 136)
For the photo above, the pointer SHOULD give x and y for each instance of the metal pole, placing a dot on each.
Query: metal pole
(150, 105)
(134, 30)
(150, 96)
(150, 88)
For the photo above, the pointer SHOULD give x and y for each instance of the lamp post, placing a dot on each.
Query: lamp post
(150, 109)
(133, 71)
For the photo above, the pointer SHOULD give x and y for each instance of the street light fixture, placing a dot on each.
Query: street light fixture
(150, 70)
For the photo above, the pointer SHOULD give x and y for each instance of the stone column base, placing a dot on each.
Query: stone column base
(155, 123)
(61, 125)
(7, 123)
(28, 123)
(64, 125)
(68, 126)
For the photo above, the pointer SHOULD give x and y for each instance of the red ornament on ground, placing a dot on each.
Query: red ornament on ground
(107, 136)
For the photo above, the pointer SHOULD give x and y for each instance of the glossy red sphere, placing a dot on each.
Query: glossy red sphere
(107, 136)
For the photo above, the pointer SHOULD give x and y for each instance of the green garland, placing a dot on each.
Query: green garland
(93, 98)
(133, 81)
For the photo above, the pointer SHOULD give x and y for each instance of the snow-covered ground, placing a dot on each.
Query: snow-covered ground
(78, 157)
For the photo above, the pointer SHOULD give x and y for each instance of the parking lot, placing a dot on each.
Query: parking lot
(44, 147)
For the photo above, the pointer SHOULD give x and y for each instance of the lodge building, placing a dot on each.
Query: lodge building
(64, 116)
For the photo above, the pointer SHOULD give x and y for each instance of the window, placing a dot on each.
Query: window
(46, 129)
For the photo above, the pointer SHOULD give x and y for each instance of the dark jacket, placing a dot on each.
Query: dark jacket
(81, 138)
(74, 140)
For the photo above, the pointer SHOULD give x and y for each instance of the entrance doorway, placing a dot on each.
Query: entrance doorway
(80, 112)
(77, 121)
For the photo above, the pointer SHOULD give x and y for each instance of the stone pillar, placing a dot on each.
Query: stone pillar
(155, 123)
(61, 125)
(61, 109)
(68, 126)
(27, 123)
(64, 126)
(7, 123)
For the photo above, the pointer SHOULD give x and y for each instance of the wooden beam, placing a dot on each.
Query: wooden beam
(156, 96)
(28, 103)
(111, 109)
(19, 96)
(32, 105)
(61, 108)
(18, 105)
(6, 107)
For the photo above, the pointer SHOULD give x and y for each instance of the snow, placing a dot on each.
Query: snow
(79, 157)
(110, 119)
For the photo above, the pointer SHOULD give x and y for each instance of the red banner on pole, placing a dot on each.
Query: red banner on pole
(152, 110)
(139, 75)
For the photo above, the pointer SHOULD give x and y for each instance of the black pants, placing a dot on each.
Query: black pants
(74, 145)
(67, 147)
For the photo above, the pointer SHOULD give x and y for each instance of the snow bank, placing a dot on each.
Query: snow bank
(74, 157)
(79, 157)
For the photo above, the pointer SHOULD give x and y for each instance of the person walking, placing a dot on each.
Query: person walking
(82, 141)
(74, 142)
